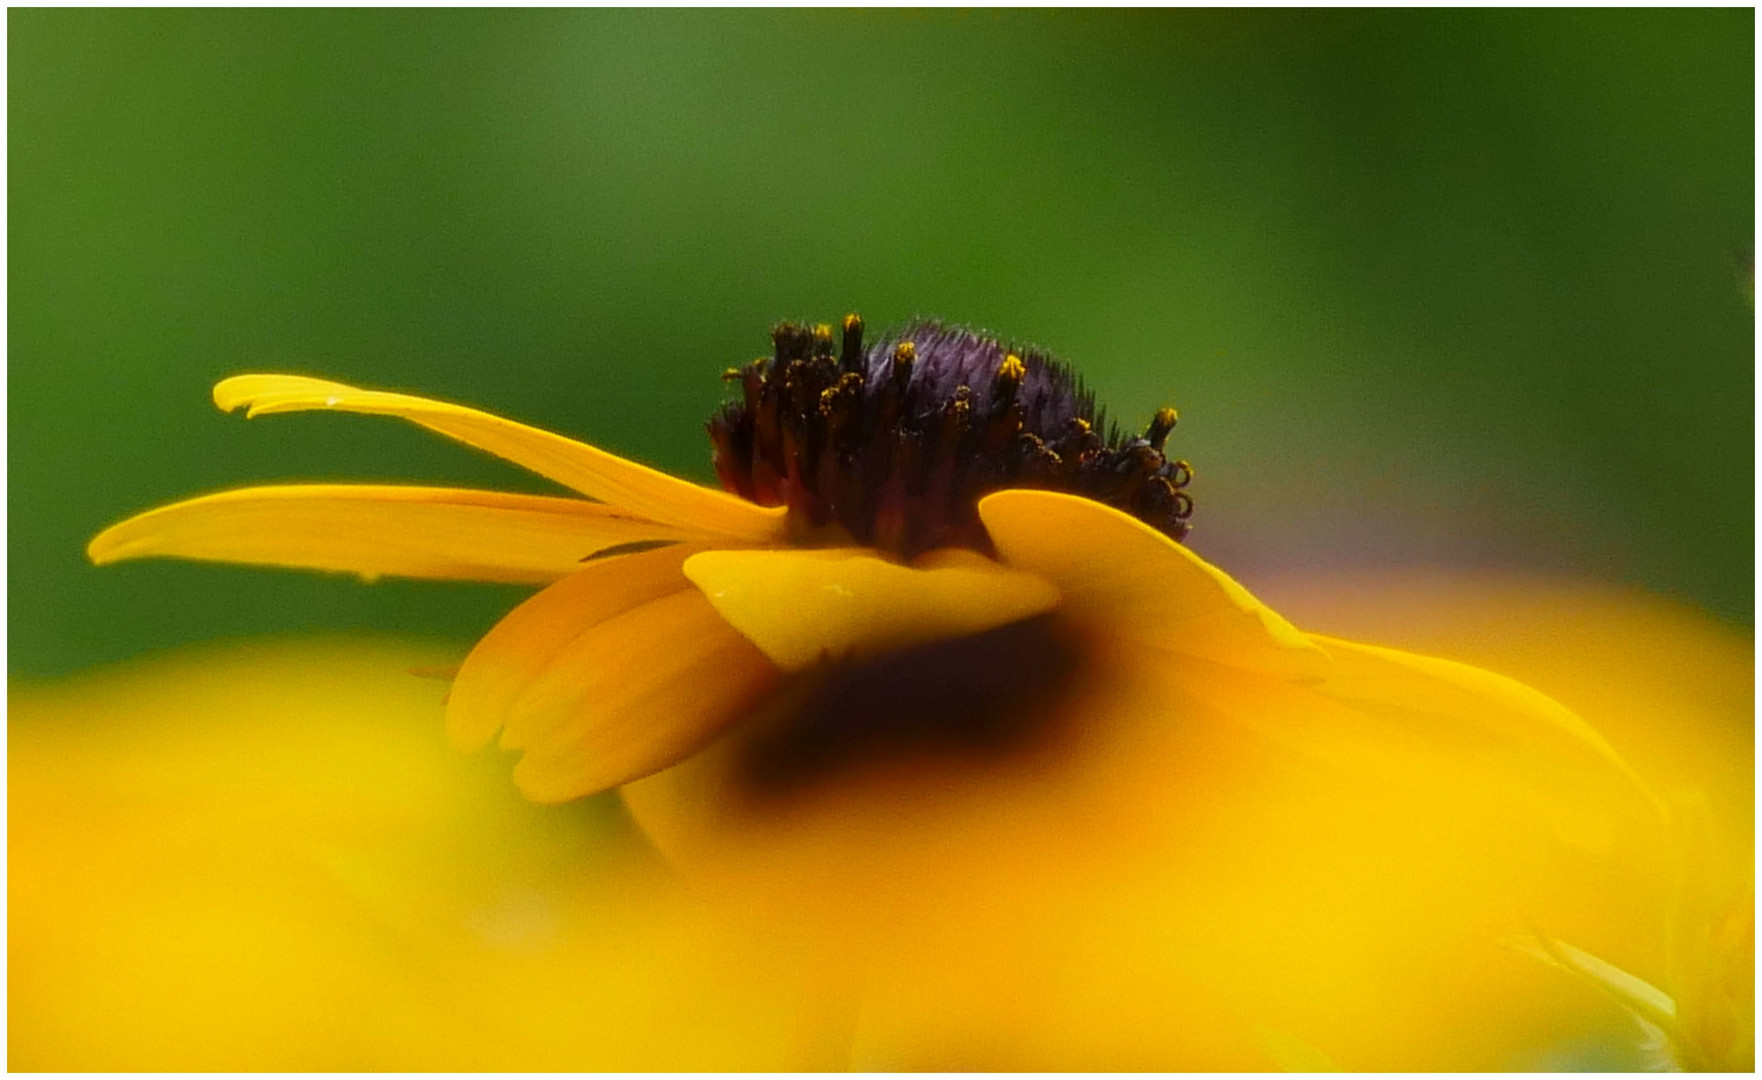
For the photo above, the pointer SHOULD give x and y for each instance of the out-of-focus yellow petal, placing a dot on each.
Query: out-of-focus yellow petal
(262, 857)
(1448, 693)
(1671, 689)
(374, 529)
(1117, 572)
(1154, 889)
(799, 606)
(528, 638)
(1395, 724)
(593, 472)
(633, 694)
(1181, 870)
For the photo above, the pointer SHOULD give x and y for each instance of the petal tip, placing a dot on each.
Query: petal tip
(100, 549)
(547, 786)
(113, 545)
(464, 735)
(250, 391)
(230, 393)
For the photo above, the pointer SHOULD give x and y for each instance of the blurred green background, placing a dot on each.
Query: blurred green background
(1453, 288)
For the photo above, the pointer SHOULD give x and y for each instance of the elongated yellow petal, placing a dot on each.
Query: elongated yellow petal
(1116, 571)
(528, 638)
(593, 472)
(634, 694)
(1399, 719)
(801, 605)
(374, 529)
(1451, 693)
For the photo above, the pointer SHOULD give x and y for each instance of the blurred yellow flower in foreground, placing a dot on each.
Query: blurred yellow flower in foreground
(261, 857)
(959, 725)
(204, 875)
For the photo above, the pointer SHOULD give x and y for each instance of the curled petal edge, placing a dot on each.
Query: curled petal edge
(595, 473)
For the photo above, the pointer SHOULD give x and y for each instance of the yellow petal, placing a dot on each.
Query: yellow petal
(632, 695)
(593, 472)
(1673, 690)
(801, 605)
(1117, 572)
(1450, 694)
(1399, 720)
(1222, 869)
(381, 529)
(528, 638)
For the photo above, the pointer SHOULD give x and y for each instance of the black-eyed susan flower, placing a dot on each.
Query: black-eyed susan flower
(934, 487)
(937, 677)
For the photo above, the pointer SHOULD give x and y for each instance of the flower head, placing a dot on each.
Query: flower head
(941, 629)
(935, 486)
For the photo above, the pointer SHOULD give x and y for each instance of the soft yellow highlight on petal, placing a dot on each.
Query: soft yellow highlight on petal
(1116, 571)
(798, 606)
(593, 472)
(373, 529)
(634, 694)
(519, 647)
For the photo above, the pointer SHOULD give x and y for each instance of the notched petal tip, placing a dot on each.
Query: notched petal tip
(250, 391)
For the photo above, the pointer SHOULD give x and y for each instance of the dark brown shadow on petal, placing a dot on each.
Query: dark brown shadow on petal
(983, 697)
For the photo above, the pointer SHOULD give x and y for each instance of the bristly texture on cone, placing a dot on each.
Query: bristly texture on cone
(897, 442)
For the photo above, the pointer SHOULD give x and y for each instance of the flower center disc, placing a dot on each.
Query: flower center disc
(897, 443)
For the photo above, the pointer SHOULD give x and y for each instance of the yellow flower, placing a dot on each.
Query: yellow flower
(671, 608)
(961, 692)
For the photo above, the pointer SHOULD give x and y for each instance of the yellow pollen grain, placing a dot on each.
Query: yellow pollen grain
(1166, 417)
(1012, 368)
(851, 322)
(822, 332)
(906, 352)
